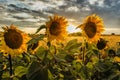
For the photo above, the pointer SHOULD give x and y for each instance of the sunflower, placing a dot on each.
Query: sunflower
(92, 27)
(101, 44)
(13, 41)
(56, 28)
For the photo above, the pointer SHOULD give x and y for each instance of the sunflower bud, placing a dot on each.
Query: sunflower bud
(101, 44)
(111, 53)
(34, 46)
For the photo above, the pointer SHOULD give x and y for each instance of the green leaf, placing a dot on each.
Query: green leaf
(58, 59)
(37, 72)
(16, 78)
(23, 78)
(6, 74)
(26, 58)
(114, 76)
(36, 39)
(20, 71)
(69, 58)
(118, 52)
(50, 76)
(102, 66)
(61, 54)
(1, 72)
(73, 46)
(70, 43)
(85, 73)
(40, 28)
(41, 52)
(77, 66)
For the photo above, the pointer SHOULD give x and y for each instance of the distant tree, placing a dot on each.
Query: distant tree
(75, 34)
(112, 33)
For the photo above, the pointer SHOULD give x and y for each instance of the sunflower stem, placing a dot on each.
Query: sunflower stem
(99, 56)
(84, 50)
(46, 53)
(83, 59)
(10, 64)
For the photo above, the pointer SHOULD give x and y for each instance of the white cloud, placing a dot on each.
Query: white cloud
(86, 8)
(28, 30)
(31, 19)
(40, 5)
(22, 14)
(112, 30)
(59, 2)
(100, 2)
(41, 18)
(73, 9)
(10, 18)
(92, 1)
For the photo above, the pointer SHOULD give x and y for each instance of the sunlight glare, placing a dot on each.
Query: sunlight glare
(71, 29)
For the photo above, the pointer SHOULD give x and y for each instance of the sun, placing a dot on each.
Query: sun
(72, 29)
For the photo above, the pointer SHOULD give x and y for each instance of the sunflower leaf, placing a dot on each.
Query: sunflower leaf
(37, 72)
(40, 28)
(114, 76)
(73, 46)
(85, 73)
(36, 39)
(20, 71)
(51, 77)
(71, 43)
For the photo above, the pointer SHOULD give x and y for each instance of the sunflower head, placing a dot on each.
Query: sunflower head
(56, 28)
(13, 41)
(101, 44)
(111, 53)
(92, 27)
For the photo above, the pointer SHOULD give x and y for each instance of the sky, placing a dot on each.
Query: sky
(28, 15)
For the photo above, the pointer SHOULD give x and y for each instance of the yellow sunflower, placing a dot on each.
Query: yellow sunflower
(13, 41)
(92, 27)
(56, 28)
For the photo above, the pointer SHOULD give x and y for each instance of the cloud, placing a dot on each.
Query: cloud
(73, 8)
(29, 13)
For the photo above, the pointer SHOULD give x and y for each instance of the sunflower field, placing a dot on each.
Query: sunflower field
(53, 56)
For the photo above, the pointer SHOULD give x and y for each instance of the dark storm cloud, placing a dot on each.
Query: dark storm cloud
(12, 9)
(109, 12)
(15, 9)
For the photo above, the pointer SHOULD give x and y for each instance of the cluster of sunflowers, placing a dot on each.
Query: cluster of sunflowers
(15, 42)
